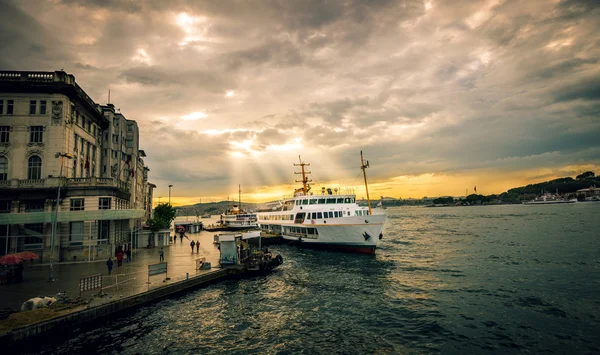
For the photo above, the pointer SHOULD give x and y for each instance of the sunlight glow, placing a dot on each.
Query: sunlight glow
(216, 132)
(230, 93)
(194, 116)
(142, 57)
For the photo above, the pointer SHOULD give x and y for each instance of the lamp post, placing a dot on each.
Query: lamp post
(62, 156)
(170, 193)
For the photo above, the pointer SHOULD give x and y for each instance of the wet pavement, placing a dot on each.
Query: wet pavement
(129, 279)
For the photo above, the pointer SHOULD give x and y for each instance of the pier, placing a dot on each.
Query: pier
(125, 288)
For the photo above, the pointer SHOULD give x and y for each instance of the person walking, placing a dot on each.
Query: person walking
(119, 258)
(109, 263)
(198, 246)
(128, 253)
(192, 245)
(162, 255)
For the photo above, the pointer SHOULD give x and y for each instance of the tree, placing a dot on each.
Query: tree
(164, 214)
(586, 175)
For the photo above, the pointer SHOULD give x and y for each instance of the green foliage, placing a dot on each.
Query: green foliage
(586, 175)
(444, 200)
(164, 214)
(563, 185)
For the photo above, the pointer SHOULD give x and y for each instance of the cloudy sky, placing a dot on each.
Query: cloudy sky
(439, 95)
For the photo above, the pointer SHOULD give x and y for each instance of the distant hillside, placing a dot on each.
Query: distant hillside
(563, 185)
(211, 208)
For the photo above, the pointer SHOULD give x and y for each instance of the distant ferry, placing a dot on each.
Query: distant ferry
(236, 218)
(549, 199)
(331, 220)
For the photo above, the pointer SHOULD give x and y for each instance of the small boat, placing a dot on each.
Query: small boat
(239, 254)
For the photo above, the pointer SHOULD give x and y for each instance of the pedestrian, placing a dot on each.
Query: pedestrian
(109, 263)
(198, 246)
(128, 253)
(192, 245)
(120, 258)
(162, 255)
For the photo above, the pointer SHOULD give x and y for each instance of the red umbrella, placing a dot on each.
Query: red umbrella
(10, 259)
(27, 255)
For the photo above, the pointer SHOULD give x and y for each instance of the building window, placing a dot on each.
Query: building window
(76, 139)
(81, 144)
(94, 130)
(3, 169)
(34, 206)
(129, 143)
(33, 236)
(77, 204)
(36, 134)
(10, 107)
(5, 206)
(115, 154)
(4, 134)
(32, 107)
(115, 138)
(104, 203)
(76, 235)
(1, 107)
(43, 107)
(104, 169)
(103, 231)
(34, 168)
(129, 128)
(74, 168)
(82, 122)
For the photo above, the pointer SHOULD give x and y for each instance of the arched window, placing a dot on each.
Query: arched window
(3, 168)
(34, 168)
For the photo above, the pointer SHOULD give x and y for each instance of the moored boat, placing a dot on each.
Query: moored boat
(235, 218)
(331, 220)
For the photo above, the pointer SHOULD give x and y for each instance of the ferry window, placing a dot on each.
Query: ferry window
(300, 217)
(305, 202)
(330, 214)
(303, 230)
(297, 202)
(291, 217)
(319, 215)
(340, 200)
(352, 200)
(331, 200)
(321, 201)
(348, 213)
(313, 201)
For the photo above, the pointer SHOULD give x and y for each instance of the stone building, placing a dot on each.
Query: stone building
(57, 143)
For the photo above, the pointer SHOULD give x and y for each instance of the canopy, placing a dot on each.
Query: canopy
(10, 259)
(250, 235)
(27, 255)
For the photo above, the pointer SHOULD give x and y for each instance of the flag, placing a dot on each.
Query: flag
(128, 161)
(475, 188)
(87, 163)
(132, 173)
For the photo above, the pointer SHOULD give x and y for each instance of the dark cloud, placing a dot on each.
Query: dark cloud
(451, 87)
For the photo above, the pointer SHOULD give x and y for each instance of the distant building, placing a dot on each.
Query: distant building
(591, 193)
(53, 134)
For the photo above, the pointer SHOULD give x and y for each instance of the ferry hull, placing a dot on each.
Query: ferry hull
(359, 234)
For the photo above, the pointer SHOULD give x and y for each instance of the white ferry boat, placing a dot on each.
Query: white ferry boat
(548, 199)
(236, 218)
(331, 220)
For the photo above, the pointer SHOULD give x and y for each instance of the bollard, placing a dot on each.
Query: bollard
(187, 275)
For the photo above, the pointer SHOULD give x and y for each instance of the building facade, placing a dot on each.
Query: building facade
(57, 144)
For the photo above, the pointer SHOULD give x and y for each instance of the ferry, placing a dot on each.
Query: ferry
(331, 220)
(549, 199)
(235, 218)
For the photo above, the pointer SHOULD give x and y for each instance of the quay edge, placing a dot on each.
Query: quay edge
(15, 338)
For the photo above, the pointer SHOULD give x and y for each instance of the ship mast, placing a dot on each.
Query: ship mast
(305, 180)
(363, 166)
(240, 197)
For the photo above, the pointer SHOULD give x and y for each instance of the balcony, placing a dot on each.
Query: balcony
(53, 182)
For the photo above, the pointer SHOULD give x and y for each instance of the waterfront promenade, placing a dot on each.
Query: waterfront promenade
(129, 279)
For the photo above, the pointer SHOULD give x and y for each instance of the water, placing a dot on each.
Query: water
(459, 280)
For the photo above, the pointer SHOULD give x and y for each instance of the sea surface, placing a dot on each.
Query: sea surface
(453, 280)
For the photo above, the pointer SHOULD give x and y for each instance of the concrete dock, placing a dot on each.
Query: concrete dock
(126, 287)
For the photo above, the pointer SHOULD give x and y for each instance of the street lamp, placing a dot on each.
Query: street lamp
(170, 193)
(62, 156)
